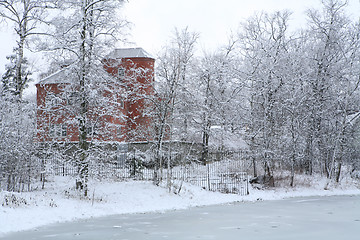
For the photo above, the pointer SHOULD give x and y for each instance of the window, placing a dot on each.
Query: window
(120, 97)
(57, 130)
(91, 131)
(52, 100)
(73, 98)
(121, 103)
(121, 73)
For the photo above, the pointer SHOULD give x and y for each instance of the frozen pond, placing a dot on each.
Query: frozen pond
(298, 218)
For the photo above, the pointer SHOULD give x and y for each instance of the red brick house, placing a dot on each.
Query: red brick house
(133, 72)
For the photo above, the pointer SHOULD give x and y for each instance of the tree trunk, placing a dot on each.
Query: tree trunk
(338, 173)
(83, 168)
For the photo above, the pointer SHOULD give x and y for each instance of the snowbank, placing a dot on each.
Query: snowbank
(59, 202)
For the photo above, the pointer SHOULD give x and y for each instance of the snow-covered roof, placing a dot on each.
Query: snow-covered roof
(61, 76)
(129, 53)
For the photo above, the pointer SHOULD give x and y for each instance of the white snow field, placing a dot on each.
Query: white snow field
(335, 217)
(59, 202)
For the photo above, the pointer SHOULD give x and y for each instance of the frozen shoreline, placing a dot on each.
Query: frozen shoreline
(297, 218)
(59, 202)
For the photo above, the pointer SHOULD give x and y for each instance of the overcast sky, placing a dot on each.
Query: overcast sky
(154, 20)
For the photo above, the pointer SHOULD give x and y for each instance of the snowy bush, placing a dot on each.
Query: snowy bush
(135, 164)
(355, 174)
(19, 166)
(12, 200)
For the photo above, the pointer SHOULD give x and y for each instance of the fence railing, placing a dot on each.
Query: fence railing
(224, 172)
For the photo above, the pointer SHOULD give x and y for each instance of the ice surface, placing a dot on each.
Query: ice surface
(328, 218)
(59, 201)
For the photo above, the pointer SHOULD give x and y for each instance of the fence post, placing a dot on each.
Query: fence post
(247, 184)
(208, 175)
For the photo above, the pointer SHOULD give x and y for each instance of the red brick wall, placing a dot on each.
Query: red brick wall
(139, 78)
(128, 118)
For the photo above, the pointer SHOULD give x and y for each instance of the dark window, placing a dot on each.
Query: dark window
(91, 131)
(73, 98)
(121, 73)
(58, 130)
(52, 100)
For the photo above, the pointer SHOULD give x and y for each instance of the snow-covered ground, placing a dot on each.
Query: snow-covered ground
(59, 202)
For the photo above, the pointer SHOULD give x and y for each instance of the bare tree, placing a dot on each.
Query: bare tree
(218, 88)
(173, 74)
(264, 45)
(19, 165)
(26, 16)
(82, 37)
(331, 57)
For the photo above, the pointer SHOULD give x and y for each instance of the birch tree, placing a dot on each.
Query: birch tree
(18, 160)
(25, 16)
(82, 36)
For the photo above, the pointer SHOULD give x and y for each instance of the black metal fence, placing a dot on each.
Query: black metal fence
(224, 171)
(227, 176)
